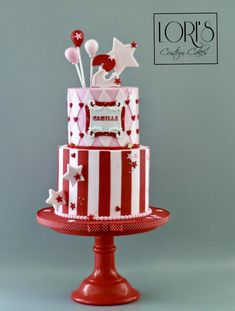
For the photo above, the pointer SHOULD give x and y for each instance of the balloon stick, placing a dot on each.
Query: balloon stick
(91, 47)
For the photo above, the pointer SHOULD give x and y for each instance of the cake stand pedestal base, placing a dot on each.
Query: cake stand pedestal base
(105, 286)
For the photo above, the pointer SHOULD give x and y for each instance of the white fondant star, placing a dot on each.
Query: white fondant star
(132, 156)
(78, 36)
(74, 174)
(123, 55)
(56, 198)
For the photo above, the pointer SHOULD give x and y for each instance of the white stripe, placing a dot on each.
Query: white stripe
(60, 173)
(135, 182)
(116, 181)
(147, 165)
(93, 184)
(73, 189)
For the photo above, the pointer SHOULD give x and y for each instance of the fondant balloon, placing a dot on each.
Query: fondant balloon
(91, 47)
(72, 55)
(104, 60)
(77, 36)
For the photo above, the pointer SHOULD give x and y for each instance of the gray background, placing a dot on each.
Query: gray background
(187, 118)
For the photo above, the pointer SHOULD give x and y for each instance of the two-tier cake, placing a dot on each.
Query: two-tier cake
(103, 171)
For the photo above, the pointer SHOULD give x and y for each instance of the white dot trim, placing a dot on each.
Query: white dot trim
(121, 217)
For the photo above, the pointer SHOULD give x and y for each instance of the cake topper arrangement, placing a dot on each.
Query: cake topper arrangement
(110, 65)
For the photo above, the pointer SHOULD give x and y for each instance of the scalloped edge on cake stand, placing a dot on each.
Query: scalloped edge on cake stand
(104, 286)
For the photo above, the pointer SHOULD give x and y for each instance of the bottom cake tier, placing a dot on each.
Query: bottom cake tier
(102, 184)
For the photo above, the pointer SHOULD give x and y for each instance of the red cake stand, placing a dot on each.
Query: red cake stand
(104, 286)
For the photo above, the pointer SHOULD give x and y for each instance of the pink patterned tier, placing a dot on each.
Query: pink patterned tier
(103, 117)
(114, 184)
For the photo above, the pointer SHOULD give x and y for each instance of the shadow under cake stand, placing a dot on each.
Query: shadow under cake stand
(105, 286)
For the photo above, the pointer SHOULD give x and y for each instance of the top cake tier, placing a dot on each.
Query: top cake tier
(103, 117)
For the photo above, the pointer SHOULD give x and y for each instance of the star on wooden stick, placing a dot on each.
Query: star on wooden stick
(56, 198)
(74, 174)
(123, 55)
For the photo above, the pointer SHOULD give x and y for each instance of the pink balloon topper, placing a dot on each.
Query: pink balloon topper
(77, 36)
(71, 55)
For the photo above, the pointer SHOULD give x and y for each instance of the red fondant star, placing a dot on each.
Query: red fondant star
(59, 199)
(118, 208)
(72, 205)
(90, 217)
(134, 44)
(77, 177)
(134, 164)
(117, 81)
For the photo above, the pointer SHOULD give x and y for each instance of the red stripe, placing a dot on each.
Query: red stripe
(104, 184)
(126, 184)
(87, 118)
(65, 182)
(123, 118)
(142, 180)
(82, 192)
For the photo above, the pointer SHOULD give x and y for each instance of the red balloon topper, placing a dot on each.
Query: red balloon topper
(104, 60)
(77, 36)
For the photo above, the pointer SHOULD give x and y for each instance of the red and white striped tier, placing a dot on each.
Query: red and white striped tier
(115, 186)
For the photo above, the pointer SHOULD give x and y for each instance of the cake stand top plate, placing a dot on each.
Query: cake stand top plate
(157, 218)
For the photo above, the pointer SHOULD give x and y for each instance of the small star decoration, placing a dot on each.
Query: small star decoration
(117, 81)
(132, 156)
(134, 164)
(134, 44)
(91, 217)
(72, 206)
(78, 36)
(56, 198)
(74, 174)
(118, 208)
